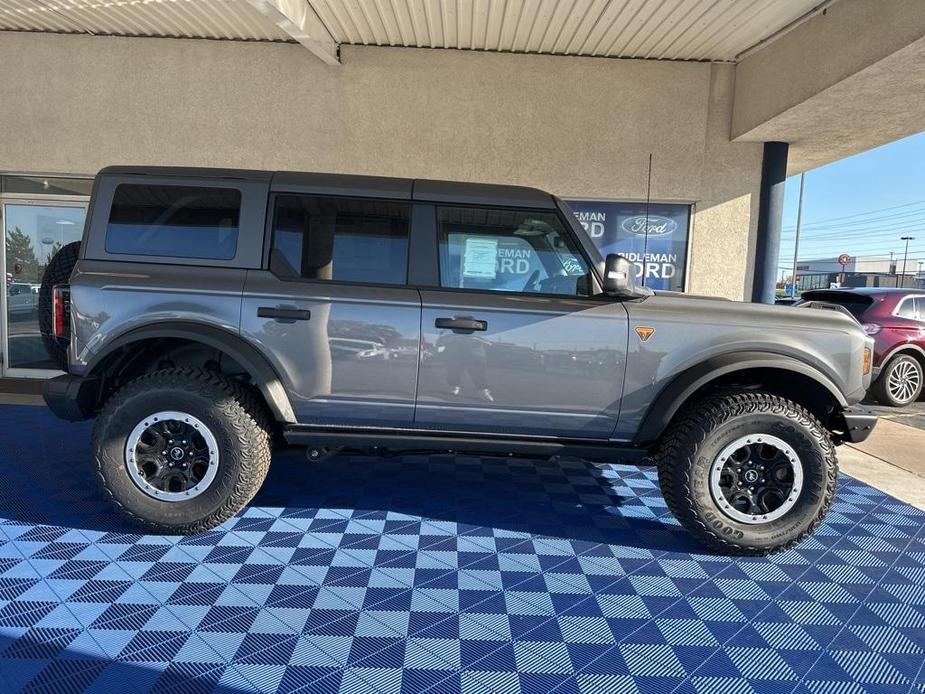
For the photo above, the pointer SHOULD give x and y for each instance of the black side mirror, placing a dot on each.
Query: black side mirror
(619, 276)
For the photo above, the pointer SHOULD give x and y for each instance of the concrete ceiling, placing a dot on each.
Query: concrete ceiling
(713, 30)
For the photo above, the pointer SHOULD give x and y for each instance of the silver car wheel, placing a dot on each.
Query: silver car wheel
(171, 456)
(904, 381)
(756, 479)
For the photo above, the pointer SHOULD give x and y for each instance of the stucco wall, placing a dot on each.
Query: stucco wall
(579, 127)
(846, 80)
(848, 37)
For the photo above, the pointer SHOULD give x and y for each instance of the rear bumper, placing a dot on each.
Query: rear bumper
(71, 397)
(858, 423)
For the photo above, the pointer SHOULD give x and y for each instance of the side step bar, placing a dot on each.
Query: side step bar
(417, 440)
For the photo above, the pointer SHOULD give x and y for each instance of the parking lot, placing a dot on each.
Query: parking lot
(438, 573)
(912, 415)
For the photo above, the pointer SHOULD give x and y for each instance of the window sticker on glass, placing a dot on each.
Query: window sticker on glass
(480, 258)
(572, 265)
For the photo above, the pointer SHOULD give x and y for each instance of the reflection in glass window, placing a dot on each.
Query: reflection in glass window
(33, 234)
(340, 239)
(174, 221)
(508, 250)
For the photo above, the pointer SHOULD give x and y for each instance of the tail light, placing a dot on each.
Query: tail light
(871, 328)
(60, 310)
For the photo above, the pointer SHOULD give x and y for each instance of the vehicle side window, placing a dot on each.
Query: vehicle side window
(174, 221)
(509, 251)
(342, 239)
(920, 308)
(906, 308)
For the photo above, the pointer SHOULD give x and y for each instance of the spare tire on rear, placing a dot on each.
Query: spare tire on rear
(58, 271)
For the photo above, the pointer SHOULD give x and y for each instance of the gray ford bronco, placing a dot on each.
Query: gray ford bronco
(209, 313)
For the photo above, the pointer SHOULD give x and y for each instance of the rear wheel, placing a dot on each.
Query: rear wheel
(900, 381)
(58, 271)
(748, 473)
(181, 450)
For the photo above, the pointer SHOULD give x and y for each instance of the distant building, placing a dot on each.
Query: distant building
(880, 264)
(862, 271)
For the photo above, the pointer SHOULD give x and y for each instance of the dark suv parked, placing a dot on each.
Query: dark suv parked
(895, 318)
(210, 312)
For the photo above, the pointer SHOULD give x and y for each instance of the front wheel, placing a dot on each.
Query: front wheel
(747, 473)
(181, 450)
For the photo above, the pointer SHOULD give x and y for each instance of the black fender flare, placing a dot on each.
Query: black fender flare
(251, 359)
(683, 386)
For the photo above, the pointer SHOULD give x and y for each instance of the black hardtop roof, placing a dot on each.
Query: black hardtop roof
(453, 192)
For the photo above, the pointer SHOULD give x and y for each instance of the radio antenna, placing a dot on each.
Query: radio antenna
(645, 242)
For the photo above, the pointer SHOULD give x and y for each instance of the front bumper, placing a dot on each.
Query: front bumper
(856, 423)
(71, 397)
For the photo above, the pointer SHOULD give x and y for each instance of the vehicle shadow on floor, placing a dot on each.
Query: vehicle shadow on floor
(568, 499)
(47, 478)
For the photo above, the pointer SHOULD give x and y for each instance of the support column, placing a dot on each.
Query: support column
(770, 212)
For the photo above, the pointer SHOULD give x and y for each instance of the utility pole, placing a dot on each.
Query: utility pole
(796, 245)
(907, 239)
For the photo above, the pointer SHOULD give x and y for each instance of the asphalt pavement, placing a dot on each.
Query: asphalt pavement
(911, 415)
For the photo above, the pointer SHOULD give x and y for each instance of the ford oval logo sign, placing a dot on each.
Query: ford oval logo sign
(658, 225)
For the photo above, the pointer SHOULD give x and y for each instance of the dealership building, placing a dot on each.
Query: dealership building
(668, 125)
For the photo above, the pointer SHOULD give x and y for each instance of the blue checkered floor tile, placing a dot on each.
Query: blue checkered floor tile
(439, 574)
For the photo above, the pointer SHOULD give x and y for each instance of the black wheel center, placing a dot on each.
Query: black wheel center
(170, 454)
(755, 478)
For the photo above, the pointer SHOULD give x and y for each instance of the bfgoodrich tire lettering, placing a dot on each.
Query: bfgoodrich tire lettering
(232, 414)
(704, 429)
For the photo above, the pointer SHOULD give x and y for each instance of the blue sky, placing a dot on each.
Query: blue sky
(860, 205)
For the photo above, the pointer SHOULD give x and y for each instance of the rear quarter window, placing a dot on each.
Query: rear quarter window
(174, 221)
(912, 307)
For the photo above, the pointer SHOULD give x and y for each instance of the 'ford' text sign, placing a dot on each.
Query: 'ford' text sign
(658, 248)
(657, 226)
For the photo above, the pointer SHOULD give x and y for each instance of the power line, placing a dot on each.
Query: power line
(918, 210)
(869, 212)
(879, 229)
(899, 220)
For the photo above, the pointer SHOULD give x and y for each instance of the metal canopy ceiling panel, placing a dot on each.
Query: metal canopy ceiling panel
(661, 29)
(217, 19)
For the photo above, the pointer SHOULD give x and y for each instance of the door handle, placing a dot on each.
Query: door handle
(283, 315)
(461, 324)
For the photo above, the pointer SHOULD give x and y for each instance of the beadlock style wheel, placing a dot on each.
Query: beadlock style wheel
(756, 479)
(171, 456)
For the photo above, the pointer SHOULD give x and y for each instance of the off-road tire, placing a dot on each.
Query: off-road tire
(881, 387)
(701, 431)
(234, 415)
(58, 271)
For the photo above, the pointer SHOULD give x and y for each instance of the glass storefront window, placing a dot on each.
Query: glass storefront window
(33, 233)
(654, 239)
